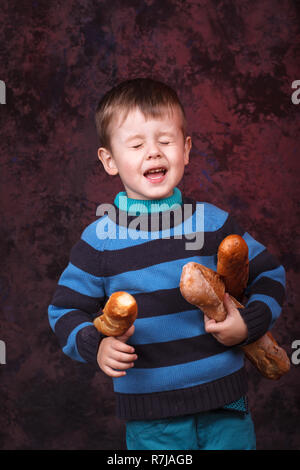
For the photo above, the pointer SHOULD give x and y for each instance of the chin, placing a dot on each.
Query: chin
(160, 193)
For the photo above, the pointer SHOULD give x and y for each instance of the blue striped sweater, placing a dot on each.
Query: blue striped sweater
(180, 368)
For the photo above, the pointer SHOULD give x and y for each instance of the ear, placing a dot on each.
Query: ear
(107, 160)
(187, 149)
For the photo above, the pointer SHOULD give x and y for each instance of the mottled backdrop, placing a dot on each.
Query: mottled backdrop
(232, 63)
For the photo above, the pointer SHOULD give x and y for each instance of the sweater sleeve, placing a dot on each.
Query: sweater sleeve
(265, 291)
(78, 298)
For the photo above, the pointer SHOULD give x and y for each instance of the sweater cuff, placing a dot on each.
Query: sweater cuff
(88, 340)
(257, 317)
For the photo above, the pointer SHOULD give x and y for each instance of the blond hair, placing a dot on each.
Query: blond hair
(151, 97)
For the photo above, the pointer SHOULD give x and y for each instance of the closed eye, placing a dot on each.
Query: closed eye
(164, 143)
(137, 146)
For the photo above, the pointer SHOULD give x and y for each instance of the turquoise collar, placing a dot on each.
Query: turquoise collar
(144, 206)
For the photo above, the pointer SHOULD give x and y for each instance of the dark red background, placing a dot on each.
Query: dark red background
(232, 63)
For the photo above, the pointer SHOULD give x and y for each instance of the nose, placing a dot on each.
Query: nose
(154, 151)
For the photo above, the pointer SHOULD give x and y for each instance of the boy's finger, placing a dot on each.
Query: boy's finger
(229, 304)
(123, 357)
(123, 347)
(117, 365)
(211, 326)
(208, 320)
(113, 373)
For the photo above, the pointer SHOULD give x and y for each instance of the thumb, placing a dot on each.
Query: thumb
(210, 325)
(229, 304)
(125, 336)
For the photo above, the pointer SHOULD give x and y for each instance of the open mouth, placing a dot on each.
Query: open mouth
(155, 175)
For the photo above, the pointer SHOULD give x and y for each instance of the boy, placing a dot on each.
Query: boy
(179, 379)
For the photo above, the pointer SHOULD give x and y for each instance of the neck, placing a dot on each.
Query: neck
(145, 206)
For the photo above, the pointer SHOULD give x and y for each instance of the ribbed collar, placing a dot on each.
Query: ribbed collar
(144, 206)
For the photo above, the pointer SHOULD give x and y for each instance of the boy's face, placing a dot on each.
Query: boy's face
(139, 146)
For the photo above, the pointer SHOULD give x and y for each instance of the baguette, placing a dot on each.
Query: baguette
(205, 289)
(233, 264)
(119, 313)
(266, 355)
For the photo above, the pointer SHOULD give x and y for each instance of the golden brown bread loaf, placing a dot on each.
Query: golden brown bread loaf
(119, 313)
(233, 264)
(266, 355)
(205, 289)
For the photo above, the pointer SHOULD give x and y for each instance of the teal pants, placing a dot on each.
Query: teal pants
(213, 430)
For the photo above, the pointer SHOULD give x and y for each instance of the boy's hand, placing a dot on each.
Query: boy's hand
(233, 330)
(114, 355)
